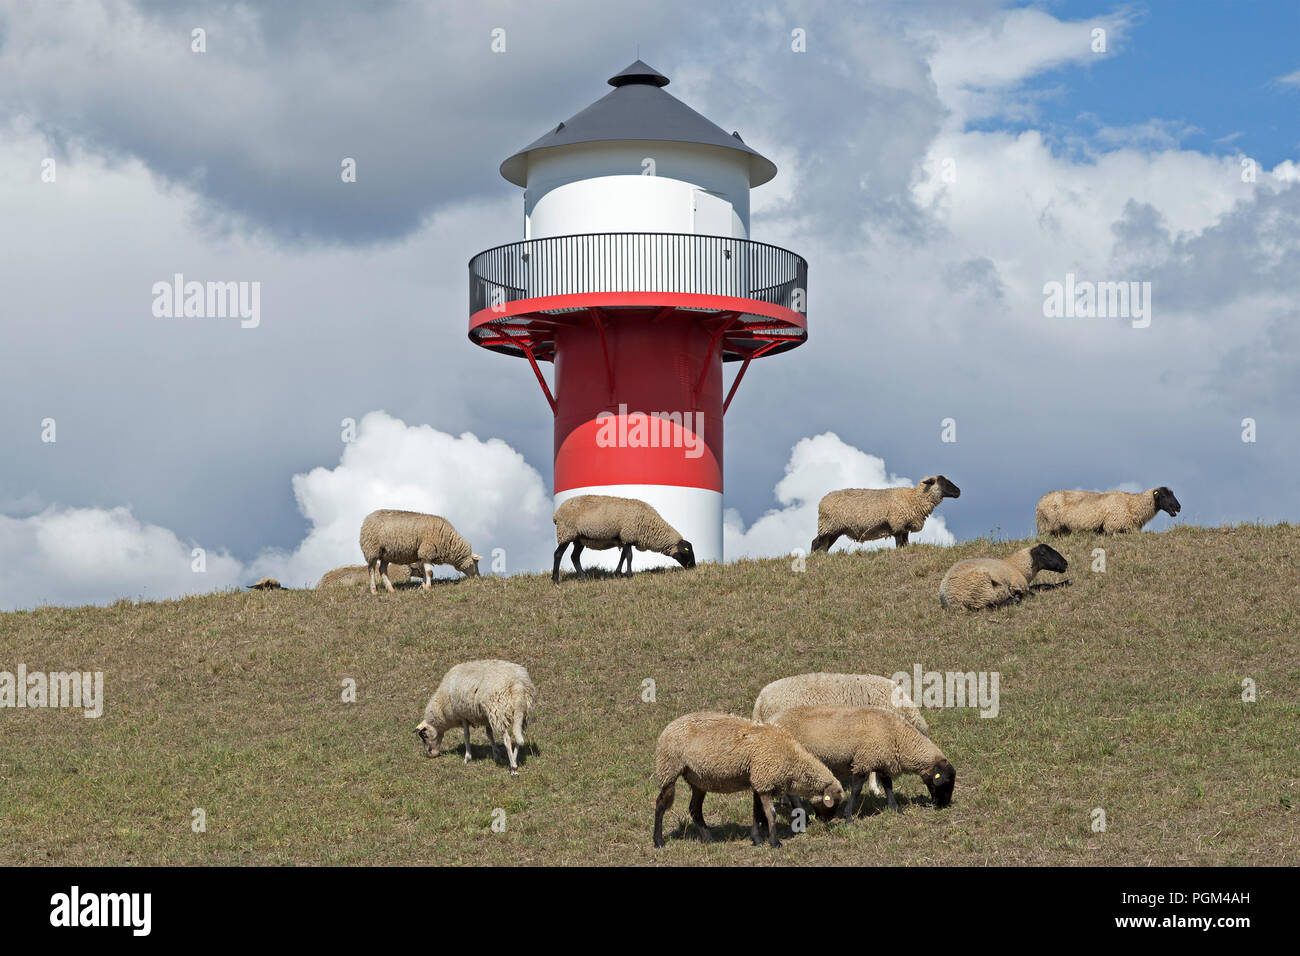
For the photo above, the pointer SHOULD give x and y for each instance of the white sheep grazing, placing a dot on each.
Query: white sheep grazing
(722, 753)
(1102, 512)
(604, 521)
(978, 583)
(494, 694)
(409, 537)
(865, 514)
(855, 741)
(355, 575)
(847, 690)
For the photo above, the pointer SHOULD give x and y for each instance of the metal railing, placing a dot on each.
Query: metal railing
(637, 262)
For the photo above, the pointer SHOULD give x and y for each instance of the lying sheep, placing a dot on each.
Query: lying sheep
(865, 514)
(354, 575)
(848, 690)
(1102, 512)
(600, 522)
(857, 741)
(494, 694)
(991, 582)
(408, 537)
(267, 584)
(723, 753)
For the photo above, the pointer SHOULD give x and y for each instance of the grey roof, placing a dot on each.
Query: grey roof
(638, 108)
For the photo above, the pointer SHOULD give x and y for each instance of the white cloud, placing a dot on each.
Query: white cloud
(97, 555)
(485, 488)
(817, 465)
(1290, 79)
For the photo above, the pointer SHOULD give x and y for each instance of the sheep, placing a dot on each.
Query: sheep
(860, 740)
(991, 582)
(267, 584)
(1102, 512)
(494, 694)
(408, 537)
(602, 521)
(723, 753)
(849, 690)
(865, 514)
(353, 575)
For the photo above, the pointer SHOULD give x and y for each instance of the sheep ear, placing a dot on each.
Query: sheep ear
(826, 799)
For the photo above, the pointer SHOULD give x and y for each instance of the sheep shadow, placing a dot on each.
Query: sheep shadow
(726, 832)
(479, 752)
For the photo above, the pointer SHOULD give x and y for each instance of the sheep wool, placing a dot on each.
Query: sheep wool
(408, 537)
(494, 694)
(857, 741)
(848, 690)
(978, 583)
(601, 522)
(865, 514)
(723, 753)
(1102, 512)
(353, 575)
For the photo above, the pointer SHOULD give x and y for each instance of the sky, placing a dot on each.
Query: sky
(941, 164)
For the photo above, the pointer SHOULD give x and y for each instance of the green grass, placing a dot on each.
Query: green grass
(1121, 691)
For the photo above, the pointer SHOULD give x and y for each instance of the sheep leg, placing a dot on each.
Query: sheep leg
(577, 564)
(618, 568)
(372, 567)
(769, 811)
(492, 742)
(428, 575)
(697, 814)
(854, 790)
(796, 804)
(465, 724)
(873, 785)
(900, 539)
(888, 784)
(383, 573)
(756, 832)
(555, 572)
(663, 803)
(510, 754)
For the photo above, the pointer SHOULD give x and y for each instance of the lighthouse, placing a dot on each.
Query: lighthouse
(638, 281)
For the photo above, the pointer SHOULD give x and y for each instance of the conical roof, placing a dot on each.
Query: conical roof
(638, 108)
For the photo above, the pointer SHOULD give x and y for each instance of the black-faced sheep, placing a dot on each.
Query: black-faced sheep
(1102, 512)
(991, 582)
(846, 690)
(722, 753)
(856, 741)
(603, 521)
(865, 514)
(494, 694)
(408, 537)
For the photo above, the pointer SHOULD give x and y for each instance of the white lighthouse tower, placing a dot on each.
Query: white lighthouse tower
(638, 280)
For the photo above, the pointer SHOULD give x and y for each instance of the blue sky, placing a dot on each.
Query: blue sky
(1209, 67)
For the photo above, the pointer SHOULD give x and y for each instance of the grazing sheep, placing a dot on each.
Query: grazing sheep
(602, 521)
(990, 582)
(848, 690)
(857, 741)
(1102, 512)
(865, 514)
(494, 694)
(267, 584)
(723, 753)
(408, 537)
(354, 575)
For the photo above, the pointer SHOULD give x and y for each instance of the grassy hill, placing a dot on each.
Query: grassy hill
(1120, 692)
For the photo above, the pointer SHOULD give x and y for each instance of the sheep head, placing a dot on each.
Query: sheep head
(825, 801)
(939, 487)
(469, 566)
(939, 780)
(1166, 502)
(1047, 558)
(427, 738)
(682, 553)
